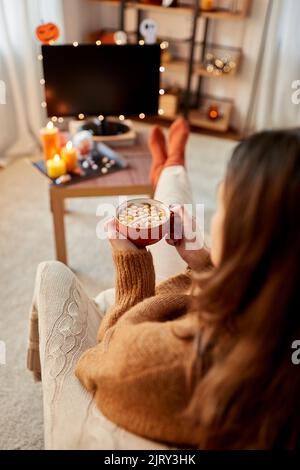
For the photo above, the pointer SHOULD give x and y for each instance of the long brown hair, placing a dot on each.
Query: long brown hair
(249, 396)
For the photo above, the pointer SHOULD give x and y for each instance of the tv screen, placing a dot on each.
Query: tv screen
(101, 80)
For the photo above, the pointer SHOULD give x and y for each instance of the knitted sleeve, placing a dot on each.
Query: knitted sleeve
(142, 375)
(135, 281)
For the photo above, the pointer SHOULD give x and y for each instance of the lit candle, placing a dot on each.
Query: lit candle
(69, 155)
(213, 112)
(50, 140)
(56, 167)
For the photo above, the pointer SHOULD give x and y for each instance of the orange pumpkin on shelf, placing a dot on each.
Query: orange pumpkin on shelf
(47, 33)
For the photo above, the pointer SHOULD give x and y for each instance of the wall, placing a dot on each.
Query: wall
(82, 16)
(77, 17)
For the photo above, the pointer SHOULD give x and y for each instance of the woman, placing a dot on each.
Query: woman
(204, 359)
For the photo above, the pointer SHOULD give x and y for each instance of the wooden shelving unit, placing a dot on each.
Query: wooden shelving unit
(180, 10)
(194, 65)
(199, 117)
(185, 9)
(176, 65)
(223, 15)
(235, 55)
(180, 66)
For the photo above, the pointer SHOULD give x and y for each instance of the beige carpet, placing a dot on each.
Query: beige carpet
(26, 239)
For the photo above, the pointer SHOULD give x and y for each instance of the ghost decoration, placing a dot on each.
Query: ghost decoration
(148, 29)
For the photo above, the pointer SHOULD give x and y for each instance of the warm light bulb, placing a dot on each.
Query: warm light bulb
(162, 68)
(75, 43)
(40, 57)
(101, 118)
(50, 125)
(69, 145)
(60, 119)
(81, 116)
(98, 43)
(142, 116)
(43, 104)
(42, 81)
(54, 118)
(160, 111)
(161, 91)
(121, 117)
(56, 158)
(164, 45)
(141, 42)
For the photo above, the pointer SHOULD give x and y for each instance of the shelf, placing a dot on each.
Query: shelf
(199, 116)
(223, 15)
(176, 65)
(226, 55)
(181, 66)
(202, 72)
(180, 10)
(174, 40)
(228, 15)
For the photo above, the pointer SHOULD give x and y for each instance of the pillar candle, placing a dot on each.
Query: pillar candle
(69, 155)
(50, 140)
(56, 167)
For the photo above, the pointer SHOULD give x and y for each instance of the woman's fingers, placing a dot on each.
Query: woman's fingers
(117, 240)
(110, 228)
(184, 229)
(176, 224)
(172, 242)
(112, 231)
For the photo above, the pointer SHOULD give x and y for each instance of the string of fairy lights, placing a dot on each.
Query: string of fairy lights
(163, 45)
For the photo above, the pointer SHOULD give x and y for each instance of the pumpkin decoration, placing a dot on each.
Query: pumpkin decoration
(47, 33)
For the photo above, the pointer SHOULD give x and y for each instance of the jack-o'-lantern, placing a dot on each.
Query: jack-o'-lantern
(47, 33)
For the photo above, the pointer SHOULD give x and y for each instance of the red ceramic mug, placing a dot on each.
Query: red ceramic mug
(143, 221)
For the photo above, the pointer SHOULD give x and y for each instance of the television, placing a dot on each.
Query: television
(107, 80)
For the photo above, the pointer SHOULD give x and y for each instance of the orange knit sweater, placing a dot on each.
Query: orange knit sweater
(140, 371)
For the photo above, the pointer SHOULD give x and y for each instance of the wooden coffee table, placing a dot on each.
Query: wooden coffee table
(132, 180)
